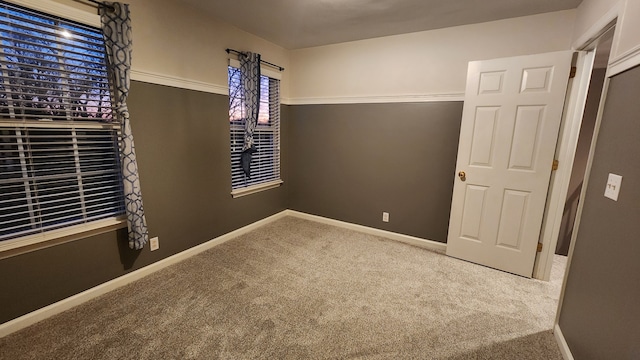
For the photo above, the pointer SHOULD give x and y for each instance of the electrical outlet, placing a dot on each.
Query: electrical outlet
(385, 216)
(154, 243)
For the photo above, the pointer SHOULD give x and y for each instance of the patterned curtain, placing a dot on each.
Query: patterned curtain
(250, 75)
(116, 26)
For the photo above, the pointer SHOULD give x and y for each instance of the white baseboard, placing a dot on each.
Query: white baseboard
(407, 239)
(562, 343)
(75, 300)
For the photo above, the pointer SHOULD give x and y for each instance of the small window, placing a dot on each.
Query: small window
(59, 152)
(265, 165)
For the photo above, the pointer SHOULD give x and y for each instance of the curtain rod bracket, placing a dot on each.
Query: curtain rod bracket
(229, 51)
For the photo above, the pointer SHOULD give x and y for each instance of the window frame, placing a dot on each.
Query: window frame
(270, 184)
(48, 238)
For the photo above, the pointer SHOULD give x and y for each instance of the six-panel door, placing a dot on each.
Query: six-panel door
(510, 123)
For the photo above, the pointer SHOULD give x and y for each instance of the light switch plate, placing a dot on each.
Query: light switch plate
(613, 187)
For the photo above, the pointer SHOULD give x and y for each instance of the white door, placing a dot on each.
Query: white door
(510, 122)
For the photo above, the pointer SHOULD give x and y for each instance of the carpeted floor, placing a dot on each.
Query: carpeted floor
(296, 289)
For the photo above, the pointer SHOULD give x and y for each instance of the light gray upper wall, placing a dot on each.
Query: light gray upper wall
(600, 313)
(421, 63)
(352, 162)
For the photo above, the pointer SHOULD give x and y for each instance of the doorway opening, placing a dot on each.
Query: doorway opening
(582, 106)
(602, 48)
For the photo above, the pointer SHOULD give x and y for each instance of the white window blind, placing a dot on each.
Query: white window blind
(55, 177)
(51, 68)
(59, 158)
(265, 165)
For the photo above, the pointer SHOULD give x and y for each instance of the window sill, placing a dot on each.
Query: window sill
(25, 244)
(255, 188)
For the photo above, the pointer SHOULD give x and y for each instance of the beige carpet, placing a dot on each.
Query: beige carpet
(296, 289)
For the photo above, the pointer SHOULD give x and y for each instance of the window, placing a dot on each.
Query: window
(59, 157)
(265, 165)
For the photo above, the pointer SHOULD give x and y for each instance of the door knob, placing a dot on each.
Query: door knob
(462, 175)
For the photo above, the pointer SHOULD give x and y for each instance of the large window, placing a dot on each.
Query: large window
(59, 159)
(265, 165)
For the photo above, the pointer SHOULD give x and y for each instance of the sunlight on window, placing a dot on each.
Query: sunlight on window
(236, 95)
(54, 70)
(65, 171)
(266, 161)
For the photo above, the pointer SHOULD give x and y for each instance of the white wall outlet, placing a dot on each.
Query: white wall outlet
(154, 243)
(385, 216)
(613, 187)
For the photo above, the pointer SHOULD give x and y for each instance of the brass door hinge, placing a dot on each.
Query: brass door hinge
(572, 73)
(539, 247)
(554, 166)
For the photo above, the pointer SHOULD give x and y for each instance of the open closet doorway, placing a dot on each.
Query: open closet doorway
(602, 51)
(582, 106)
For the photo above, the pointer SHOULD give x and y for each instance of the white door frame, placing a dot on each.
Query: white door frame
(565, 154)
(567, 145)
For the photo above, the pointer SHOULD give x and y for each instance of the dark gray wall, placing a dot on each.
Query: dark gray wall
(182, 139)
(37, 279)
(352, 162)
(600, 316)
(182, 143)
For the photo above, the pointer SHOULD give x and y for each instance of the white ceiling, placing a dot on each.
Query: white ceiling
(295, 24)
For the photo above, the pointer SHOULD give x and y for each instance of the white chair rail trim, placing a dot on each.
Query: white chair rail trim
(177, 82)
(624, 62)
(377, 99)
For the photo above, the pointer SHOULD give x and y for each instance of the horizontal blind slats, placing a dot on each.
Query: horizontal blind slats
(57, 177)
(45, 75)
(265, 163)
(17, 14)
(54, 174)
(57, 59)
(53, 48)
(16, 81)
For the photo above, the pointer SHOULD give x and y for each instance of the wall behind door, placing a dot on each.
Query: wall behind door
(351, 162)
